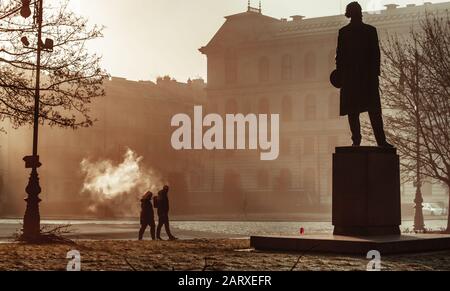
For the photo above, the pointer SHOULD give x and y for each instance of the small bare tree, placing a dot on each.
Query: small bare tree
(70, 76)
(415, 84)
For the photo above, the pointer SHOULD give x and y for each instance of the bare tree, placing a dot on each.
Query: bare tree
(70, 76)
(416, 90)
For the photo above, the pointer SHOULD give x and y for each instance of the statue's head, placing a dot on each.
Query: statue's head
(354, 11)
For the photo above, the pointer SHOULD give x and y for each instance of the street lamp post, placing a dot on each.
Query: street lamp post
(419, 223)
(32, 219)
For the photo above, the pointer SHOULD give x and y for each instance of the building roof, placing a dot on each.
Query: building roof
(166, 89)
(253, 26)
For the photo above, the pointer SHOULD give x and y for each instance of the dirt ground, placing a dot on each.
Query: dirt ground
(196, 255)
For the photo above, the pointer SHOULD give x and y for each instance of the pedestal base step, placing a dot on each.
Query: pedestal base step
(386, 245)
(367, 230)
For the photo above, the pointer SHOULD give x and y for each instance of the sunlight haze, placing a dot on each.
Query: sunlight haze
(145, 39)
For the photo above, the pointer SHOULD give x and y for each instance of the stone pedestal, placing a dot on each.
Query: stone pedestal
(366, 191)
(366, 210)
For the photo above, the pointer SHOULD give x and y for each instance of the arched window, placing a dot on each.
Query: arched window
(247, 106)
(285, 146)
(231, 106)
(232, 181)
(310, 108)
(286, 109)
(264, 106)
(310, 65)
(212, 107)
(264, 69)
(286, 68)
(309, 145)
(309, 182)
(195, 180)
(263, 179)
(179, 185)
(231, 68)
(232, 190)
(334, 106)
(284, 180)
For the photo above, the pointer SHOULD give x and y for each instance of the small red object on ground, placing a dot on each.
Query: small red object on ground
(302, 231)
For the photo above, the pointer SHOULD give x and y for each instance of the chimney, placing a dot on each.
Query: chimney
(297, 17)
(390, 7)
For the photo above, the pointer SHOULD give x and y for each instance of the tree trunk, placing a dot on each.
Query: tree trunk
(448, 209)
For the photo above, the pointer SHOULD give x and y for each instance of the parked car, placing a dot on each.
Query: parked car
(434, 209)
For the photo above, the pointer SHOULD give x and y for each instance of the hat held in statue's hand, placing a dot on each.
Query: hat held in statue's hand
(335, 79)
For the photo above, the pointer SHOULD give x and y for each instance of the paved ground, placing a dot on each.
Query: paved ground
(127, 229)
(197, 255)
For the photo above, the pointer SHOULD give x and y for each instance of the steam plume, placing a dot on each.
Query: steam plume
(114, 190)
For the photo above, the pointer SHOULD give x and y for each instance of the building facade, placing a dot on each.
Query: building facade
(134, 115)
(259, 64)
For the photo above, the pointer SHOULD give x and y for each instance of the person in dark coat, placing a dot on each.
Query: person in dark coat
(163, 213)
(358, 67)
(147, 216)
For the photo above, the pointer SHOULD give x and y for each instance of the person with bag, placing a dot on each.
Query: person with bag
(147, 216)
(162, 203)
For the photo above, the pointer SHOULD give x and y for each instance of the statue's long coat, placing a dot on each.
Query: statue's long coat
(358, 65)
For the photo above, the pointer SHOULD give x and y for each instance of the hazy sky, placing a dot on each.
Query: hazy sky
(145, 39)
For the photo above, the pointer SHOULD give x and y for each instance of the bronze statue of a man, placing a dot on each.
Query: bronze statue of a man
(358, 70)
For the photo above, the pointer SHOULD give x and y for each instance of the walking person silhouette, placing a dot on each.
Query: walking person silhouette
(358, 61)
(147, 216)
(163, 213)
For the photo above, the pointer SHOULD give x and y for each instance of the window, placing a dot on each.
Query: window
(231, 68)
(284, 180)
(310, 65)
(247, 107)
(286, 110)
(232, 181)
(309, 146)
(178, 184)
(263, 179)
(309, 182)
(264, 106)
(212, 107)
(285, 146)
(231, 106)
(334, 106)
(264, 69)
(310, 108)
(286, 68)
(195, 180)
